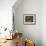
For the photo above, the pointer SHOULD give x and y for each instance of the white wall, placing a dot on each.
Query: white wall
(30, 31)
(6, 13)
(43, 22)
(6, 17)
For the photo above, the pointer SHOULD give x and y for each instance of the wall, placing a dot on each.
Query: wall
(29, 31)
(43, 22)
(6, 18)
(6, 13)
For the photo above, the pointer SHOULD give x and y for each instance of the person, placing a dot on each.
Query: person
(18, 40)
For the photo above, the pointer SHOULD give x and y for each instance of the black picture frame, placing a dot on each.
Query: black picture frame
(29, 19)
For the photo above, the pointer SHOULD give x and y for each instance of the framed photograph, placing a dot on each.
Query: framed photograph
(29, 19)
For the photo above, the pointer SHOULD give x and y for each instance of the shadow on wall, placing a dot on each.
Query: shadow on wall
(28, 7)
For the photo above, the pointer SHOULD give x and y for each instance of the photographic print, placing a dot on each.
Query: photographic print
(29, 19)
